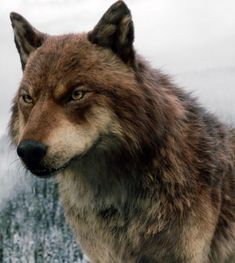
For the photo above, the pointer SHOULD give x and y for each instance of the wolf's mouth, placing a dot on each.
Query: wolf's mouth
(49, 172)
(46, 173)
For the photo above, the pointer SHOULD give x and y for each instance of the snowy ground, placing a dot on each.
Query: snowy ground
(194, 41)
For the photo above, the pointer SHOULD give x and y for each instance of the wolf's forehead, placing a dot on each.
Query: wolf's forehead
(70, 60)
(60, 53)
(57, 59)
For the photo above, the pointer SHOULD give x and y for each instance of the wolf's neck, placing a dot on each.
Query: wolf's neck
(100, 180)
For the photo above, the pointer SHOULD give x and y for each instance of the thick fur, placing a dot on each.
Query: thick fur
(145, 174)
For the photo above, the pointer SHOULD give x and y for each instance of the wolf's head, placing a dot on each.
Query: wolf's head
(78, 92)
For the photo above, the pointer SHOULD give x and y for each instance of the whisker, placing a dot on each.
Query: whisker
(14, 161)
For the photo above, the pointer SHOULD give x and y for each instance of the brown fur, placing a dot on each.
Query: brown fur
(148, 175)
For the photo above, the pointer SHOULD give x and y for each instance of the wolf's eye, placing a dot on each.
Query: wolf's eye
(77, 94)
(27, 98)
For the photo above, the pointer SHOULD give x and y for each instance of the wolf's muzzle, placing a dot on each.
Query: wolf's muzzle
(31, 152)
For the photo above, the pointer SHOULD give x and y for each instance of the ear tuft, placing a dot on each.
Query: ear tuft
(27, 38)
(115, 30)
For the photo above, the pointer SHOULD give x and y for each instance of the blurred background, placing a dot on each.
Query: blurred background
(193, 41)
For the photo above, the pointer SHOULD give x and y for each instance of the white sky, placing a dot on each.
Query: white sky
(176, 36)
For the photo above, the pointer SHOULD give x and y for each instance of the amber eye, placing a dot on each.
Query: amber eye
(27, 98)
(77, 94)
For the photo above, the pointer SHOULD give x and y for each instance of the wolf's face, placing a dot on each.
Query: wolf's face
(78, 91)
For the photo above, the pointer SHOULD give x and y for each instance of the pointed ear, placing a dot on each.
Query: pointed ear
(115, 30)
(27, 38)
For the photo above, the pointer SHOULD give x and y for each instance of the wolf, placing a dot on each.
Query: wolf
(145, 174)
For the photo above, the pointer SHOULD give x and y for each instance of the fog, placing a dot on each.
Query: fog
(193, 41)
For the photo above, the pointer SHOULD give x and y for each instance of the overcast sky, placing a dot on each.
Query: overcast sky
(184, 38)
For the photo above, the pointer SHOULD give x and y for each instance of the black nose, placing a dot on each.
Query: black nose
(31, 152)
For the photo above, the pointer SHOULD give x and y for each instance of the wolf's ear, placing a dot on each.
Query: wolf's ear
(115, 30)
(27, 38)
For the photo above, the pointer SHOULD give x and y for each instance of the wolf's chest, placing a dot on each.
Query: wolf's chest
(112, 224)
(101, 233)
(100, 219)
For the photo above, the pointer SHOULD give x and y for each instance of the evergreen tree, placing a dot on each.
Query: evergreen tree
(33, 229)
